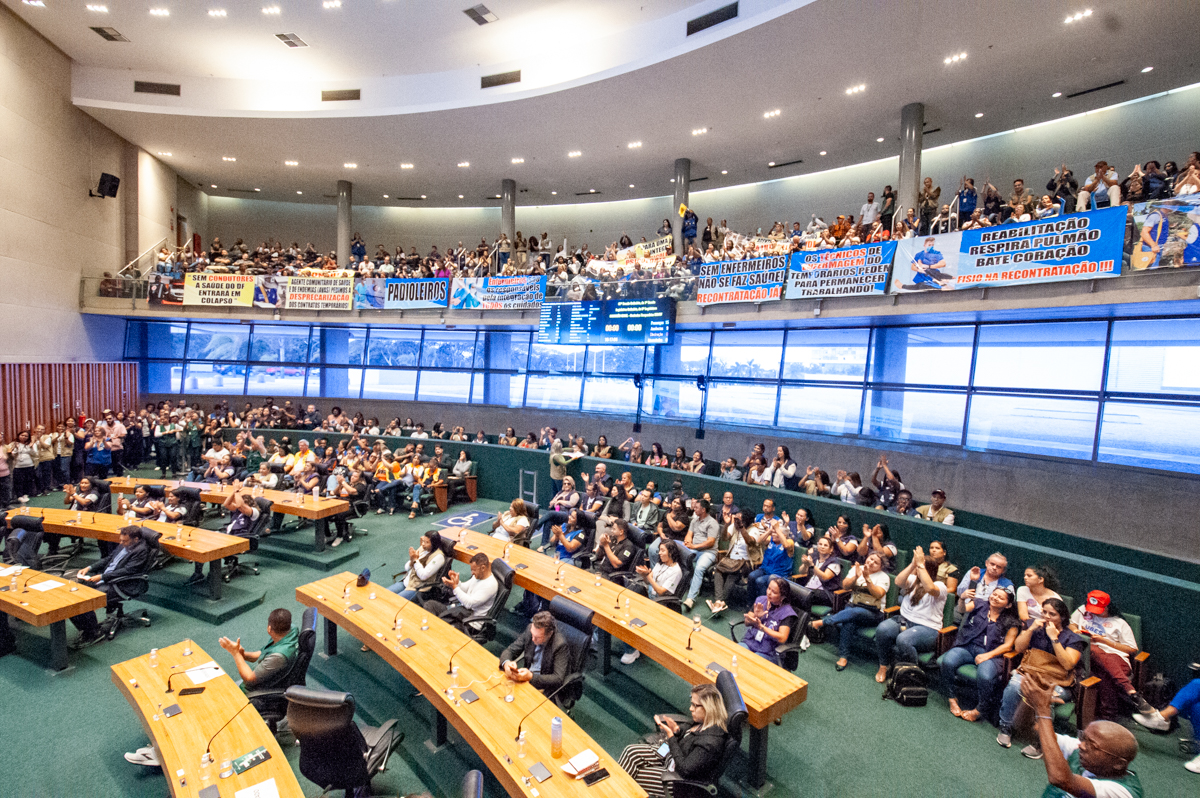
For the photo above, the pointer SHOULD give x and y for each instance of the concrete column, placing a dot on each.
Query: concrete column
(683, 176)
(912, 122)
(335, 350)
(345, 199)
(889, 362)
(128, 197)
(508, 208)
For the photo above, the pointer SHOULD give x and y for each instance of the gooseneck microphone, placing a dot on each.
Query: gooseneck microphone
(450, 668)
(535, 709)
(208, 748)
(617, 606)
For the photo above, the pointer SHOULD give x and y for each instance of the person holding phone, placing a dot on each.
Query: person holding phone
(545, 654)
(691, 750)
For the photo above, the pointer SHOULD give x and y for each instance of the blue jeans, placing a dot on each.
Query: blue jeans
(400, 590)
(847, 623)
(758, 579)
(904, 638)
(548, 519)
(1010, 702)
(387, 493)
(704, 560)
(986, 682)
(1187, 704)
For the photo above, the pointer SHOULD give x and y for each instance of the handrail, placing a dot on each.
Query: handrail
(162, 242)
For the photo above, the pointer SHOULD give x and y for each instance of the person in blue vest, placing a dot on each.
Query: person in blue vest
(927, 268)
(1156, 230)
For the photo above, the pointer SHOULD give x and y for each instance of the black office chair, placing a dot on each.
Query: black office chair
(103, 495)
(575, 625)
(272, 703)
(472, 786)
(335, 752)
(22, 543)
(482, 628)
(193, 505)
(735, 710)
(128, 588)
(640, 539)
(789, 651)
(234, 566)
(583, 555)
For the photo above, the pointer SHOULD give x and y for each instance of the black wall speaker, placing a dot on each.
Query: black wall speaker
(108, 185)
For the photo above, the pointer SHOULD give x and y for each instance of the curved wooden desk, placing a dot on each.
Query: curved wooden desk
(180, 741)
(48, 608)
(489, 725)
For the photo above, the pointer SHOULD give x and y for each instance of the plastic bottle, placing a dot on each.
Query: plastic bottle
(556, 737)
(154, 658)
(733, 666)
(521, 746)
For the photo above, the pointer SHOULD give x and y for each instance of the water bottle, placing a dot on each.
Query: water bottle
(733, 666)
(154, 658)
(12, 588)
(521, 746)
(316, 495)
(556, 737)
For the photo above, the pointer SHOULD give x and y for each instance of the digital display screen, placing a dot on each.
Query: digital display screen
(616, 322)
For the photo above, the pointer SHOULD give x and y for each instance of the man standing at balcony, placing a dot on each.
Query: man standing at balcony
(869, 212)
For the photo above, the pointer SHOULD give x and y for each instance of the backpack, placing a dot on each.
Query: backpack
(906, 685)
(1159, 691)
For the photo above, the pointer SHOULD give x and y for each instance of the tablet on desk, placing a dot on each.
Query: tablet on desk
(539, 772)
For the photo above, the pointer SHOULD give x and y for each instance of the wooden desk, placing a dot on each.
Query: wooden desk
(489, 725)
(50, 608)
(195, 545)
(768, 690)
(286, 502)
(180, 741)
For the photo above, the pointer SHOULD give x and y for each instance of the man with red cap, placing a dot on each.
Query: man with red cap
(1112, 643)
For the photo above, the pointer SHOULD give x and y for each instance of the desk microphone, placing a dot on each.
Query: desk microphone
(26, 582)
(172, 676)
(695, 628)
(504, 556)
(535, 709)
(450, 669)
(396, 620)
(618, 604)
(208, 748)
(558, 573)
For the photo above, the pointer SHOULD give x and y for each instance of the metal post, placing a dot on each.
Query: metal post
(345, 200)
(508, 208)
(912, 122)
(683, 176)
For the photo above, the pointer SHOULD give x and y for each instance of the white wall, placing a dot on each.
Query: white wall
(192, 204)
(51, 232)
(156, 202)
(1160, 127)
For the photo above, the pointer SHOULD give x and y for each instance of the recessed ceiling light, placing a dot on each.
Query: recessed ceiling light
(1077, 16)
(291, 163)
(554, 193)
(978, 115)
(159, 12)
(460, 196)
(1148, 69)
(856, 89)
(97, 8)
(385, 196)
(574, 153)
(167, 154)
(954, 59)
(518, 160)
(464, 164)
(880, 139)
(258, 189)
(422, 196)
(822, 152)
(350, 165)
(37, 3)
(228, 158)
(270, 9)
(1056, 94)
(700, 131)
(771, 114)
(724, 171)
(332, 4)
(770, 163)
(633, 145)
(672, 180)
(406, 166)
(631, 185)
(299, 192)
(217, 12)
(214, 185)
(497, 196)
(591, 191)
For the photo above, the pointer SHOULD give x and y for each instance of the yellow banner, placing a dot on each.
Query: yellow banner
(219, 289)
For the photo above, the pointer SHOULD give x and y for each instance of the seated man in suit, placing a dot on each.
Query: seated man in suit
(547, 655)
(131, 557)
(473, 597)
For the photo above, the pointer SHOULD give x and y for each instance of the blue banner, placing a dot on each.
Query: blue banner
(848, 271)
(378, 293)
(751, 280)
(1079, 246)
(526, 292)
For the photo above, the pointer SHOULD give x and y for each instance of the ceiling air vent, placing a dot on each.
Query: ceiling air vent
(110, 34)
(240, 190)
(697, 180)
(408, 199)
(712, 18)
(339, 95)
(588, 193)
(291, 40)
(785, 163)
(481, 14)
(500, 79)
(146, 87)
(1098, 88)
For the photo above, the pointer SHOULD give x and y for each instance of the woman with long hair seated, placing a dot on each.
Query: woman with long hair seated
(868, 586)
(988, 632)
(915, 629)
(693, 750)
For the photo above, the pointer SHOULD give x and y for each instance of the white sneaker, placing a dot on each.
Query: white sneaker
(1194, 765)
(1152, 720)
(24, 500)
(630, 658)
(143, 756)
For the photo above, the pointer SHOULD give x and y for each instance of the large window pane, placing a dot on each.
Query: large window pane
(394, 347)
(741, 403)
(820, 409)
(1151, 436)
(671, 398)
(161, 377)
(218, 341)
(155, 339)
(275, 380)
(444, 386)
(915, 416)
(610, 395)
(1033, 424)
(922, 355)
(547, 357)
(554, 391)
(313, 386)
(688, 355)
(1058, 356)
(502, 350)
(615, 359)
(279, 343)
(746, 354)
(826, 355)
(1156, 356)
(222, 378)
(338, 345)
(389, 384)
(448, 349)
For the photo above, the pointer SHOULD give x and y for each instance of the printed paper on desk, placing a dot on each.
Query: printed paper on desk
(581, 763)
(49, 584)
(10, 571)
(206, 672)
(266, 789)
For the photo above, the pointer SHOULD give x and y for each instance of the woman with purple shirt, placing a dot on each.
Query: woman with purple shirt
(770, 621)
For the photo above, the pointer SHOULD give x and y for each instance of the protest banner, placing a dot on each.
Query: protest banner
(649, 252)
(228, 290)
(752, 280)
(848, 271)
(1168, 234)
(164, 289)
(498, 293)
(319, 293)
(393, 293)
(1079, 246)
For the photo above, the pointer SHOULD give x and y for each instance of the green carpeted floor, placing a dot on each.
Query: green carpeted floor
(65, 734)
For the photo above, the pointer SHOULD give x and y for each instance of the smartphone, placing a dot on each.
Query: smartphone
(592, 778)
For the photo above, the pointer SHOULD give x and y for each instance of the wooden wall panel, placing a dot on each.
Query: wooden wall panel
(46, 393)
